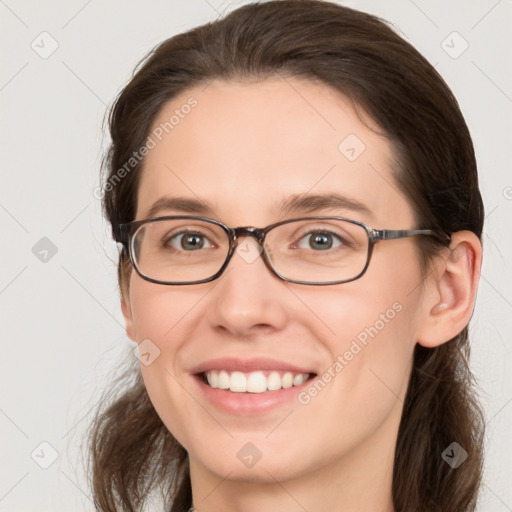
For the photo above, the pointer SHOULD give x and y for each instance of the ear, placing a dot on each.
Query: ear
(126, 308)
(450, 291)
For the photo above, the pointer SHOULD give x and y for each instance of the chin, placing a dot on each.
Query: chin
(245, 461)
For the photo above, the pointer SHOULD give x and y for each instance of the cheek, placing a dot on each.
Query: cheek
(164, 319)
(367, 332)
(160, 312)
(368, 327)
(364, 311)
(158, 320)
(367, 371)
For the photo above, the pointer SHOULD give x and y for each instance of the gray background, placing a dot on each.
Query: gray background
(62, 330)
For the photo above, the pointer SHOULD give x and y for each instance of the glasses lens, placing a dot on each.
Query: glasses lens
(179, 250)
(310, 251)
(318, 250)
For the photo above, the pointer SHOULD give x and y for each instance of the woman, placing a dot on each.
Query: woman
(314, 358)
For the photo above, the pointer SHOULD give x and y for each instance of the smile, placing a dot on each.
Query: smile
(253, 382)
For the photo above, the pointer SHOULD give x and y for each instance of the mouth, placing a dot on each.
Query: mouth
(251, 387)
(260, 381)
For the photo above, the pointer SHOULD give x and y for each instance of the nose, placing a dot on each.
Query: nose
(248, 298)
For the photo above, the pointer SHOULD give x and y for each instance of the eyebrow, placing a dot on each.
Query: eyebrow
(294, 204)
(313, 203)
(179, 204)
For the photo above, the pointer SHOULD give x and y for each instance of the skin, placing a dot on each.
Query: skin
(243, 148)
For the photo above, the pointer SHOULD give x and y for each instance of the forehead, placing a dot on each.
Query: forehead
(246, 147)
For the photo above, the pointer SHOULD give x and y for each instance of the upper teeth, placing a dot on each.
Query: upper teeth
(254, 382)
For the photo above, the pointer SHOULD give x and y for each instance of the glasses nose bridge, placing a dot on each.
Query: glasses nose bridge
(257, 233)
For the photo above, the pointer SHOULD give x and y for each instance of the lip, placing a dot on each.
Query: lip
(232, 364)
(248, 404)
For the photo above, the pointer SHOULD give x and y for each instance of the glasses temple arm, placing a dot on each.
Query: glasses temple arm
(393, 234)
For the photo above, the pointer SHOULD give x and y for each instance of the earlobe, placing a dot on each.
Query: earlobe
(126, 309)
(451, 291)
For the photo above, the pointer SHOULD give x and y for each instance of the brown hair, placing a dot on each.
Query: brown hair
(131, 451)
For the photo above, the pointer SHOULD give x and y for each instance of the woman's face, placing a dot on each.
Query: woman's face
(244, 149)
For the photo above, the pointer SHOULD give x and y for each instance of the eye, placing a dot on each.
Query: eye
(187, 241)
(322, 240)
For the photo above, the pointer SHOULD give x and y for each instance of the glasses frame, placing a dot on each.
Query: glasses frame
(125, 234)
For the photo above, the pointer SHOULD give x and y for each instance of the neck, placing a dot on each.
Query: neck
(311, 495)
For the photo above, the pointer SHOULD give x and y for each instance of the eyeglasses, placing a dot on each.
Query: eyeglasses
(180, 250)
